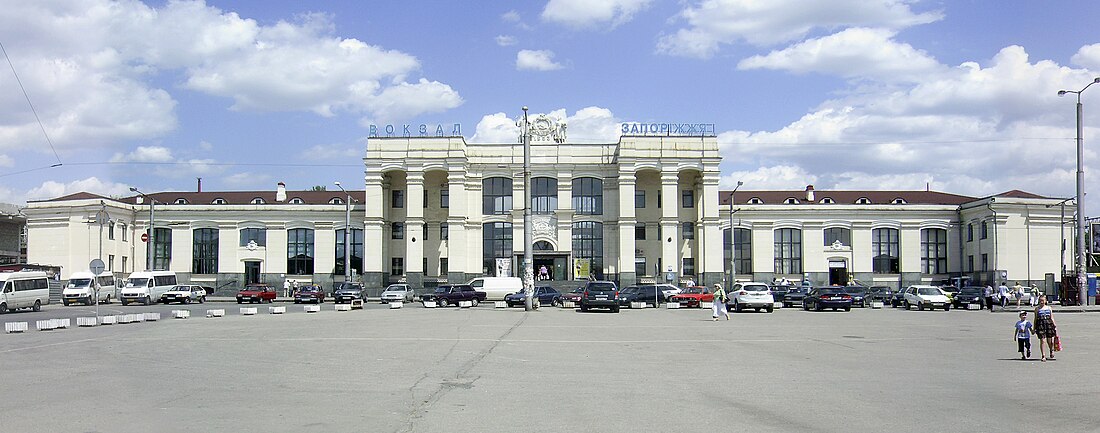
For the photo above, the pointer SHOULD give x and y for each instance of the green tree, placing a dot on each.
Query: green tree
(318, 188)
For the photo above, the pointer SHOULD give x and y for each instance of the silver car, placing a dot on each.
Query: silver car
(397, 293)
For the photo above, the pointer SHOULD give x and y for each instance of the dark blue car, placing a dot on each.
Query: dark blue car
(827, 297)
(545, 295)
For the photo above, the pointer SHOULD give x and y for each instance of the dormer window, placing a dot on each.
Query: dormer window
(790, 200)
(296, 200)
(336, 200)
(898, 200)
(863, 200)
(181, 201)
(827, 200)
(259, 200)
(756, 200)
(218, 200)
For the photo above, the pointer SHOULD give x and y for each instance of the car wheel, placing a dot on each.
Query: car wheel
(908, 306)
(184, 301)
(475, 302)
(847, 308)
(202, 299)
(805, 307)
(88, 301)
(556, 303)
(37, 306)
(148, 301)
(65, 303)
(920, 306)
(770, 309)
(787, 304)
(615, 310)
(442, 302)
(946, 308)
(241, 302)
(3, 308)
(757, 309)
(817, 307)
(736, 307)
(124, 303)
(584, 309)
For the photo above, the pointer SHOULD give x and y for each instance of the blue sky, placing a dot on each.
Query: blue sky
(843, 94)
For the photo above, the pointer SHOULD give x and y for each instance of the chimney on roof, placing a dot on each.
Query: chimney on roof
(809, 193)
(199, 187)
(280, 192)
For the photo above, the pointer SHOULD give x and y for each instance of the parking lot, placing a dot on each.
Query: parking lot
(485, 369)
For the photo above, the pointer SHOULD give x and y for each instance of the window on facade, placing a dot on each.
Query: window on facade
(397, 198)
(639, 199)
(543, 246)
(985, 262)
(885, 251)
(985, 230)
(588, 196)
(110, 262)
(111, 231)
(397, 231)
(588, 244)
(299, 252)
(933, 244)
(296, 200)
(253, 234)
(124, 264)
(639, 232)
(742, 249)
(181, 201)
(756, 200)
(827, 200)
(970, 263)
(258, 200)
(336, 200)
(122, 228)
(424, 266)
(688, 230)
(788, 251)
(970, 232)
(898, 200)
(496, 196)
(162, 248)
(425, 198)
(444, 198)
(356, 245)
(397, 266)
(639, 267)
(863, 200)
(444, 232)
(658, 199)
(218, 201)
(790, 200)
(544, 195)
(689, 266)
(835, 234)
(496, 244)
(687, 198)
(443, 268)
(204, 256)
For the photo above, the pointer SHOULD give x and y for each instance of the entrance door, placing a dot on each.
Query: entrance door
(838, 273)
(251, 272)
(546, 268)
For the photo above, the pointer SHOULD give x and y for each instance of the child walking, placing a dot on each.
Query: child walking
(1022, 334)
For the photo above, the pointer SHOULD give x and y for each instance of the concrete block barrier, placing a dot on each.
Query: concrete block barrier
(500, 304)
(396, 305)
(86, 321)
(152, 317)
(215, 313)
(706, 305)
(569, 304)
(129, 318)
(46, 325)
(672, 305)
(356, 304)
(637, 305)
(64, 323)
(108, 320)
(343, 307)
(249, 311)
(465, 304)
(312, 308)
(429, 304)
(11, 327)
(276, 310)
(181, 314)
(876, 305)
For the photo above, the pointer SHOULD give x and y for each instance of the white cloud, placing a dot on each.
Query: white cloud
(536, 60)
(587, 125)
(206, 145)
(1088, 57)
(53, 189)
(405, 100)
(778, 177)
(712, 23)
(496, 128)
(511, 16)
(852, 53)
(145, 154)
(165, 163)
(592, 13)
(248, 180)
(336, 151)
(505, 40)
(6, 161)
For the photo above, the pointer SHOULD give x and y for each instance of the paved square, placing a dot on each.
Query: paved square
(485, 369)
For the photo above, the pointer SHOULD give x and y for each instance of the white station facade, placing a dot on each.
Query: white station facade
(436, 209)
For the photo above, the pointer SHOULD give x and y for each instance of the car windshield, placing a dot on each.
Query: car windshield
(179, 288)
(755, 288)
(797, 290)
(628, 290)
(137, 282)
(395, 289)
(80, 282)
(693, 290)
(601, 287)
(970, 291)
(855, 290)
(440, 289)
(929, 291)
(830, 291)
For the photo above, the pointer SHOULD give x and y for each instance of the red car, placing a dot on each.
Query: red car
(256, 293)
(693, 296)
(573, 296)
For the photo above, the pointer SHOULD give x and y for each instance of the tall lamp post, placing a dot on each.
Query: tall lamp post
(528, 237)
(347, 234)
(733, 261)
(152, 236)
(1082, 280)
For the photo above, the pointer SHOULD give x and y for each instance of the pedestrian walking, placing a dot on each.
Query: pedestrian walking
(1019, 292)
(286, 288)
(988, 294)
(1002, 291)
(1022, 335)
(719, 304)
(1046, 329)
(1034, 301)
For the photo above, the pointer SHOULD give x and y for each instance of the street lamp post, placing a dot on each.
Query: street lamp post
(528, 237)
(733, 261)
(347, 233)
(152, 236)
(1079, 264)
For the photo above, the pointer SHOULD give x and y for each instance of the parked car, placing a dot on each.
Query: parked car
(397, 292)
(930, 297)
(311, 294)
(898, 299)
(452, 294)
(184, 294)
(693, 297)
(256, 293)
(880, 294)
(950, 291)
(666, 290)
(750, 295)
(779, 291)
(543, 296)
(795, 296)
(859, 295)
(827, 297)
(348, 292)
(649, 294)
(969, 295)
(600, 294)
(573, 295)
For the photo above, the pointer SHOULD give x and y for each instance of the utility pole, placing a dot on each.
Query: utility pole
(150, 232)
(528, 237)
(347, 234)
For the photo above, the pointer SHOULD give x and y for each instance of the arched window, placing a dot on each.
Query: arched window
(205, 255)
(933, 245)
(218, 200)
(336, 200)
(588, 245)
(544, 195)
(863, 200)
(496, 244)
(296, 200)
(790, 200)
(898, 200)
(258, 200)
(827, 200)
(496, 196)
(181, 201)
(885, 251)
(588, 196)
(756, 200)
(543, 246)
(299, 252)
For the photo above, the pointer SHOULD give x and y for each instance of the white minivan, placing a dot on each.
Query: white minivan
(23, 289)
(496, 288)
(146, 287)
(81, 288)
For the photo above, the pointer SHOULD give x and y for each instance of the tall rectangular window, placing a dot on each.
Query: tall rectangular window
(588, 196)
(788, 251)
(544, 195)
(970, 232)
(204, 255)
(688, 198)
(688, 231)
(397, 231)
(397, 198)
(985, 230)
(658, 199)
(689, 266)
(124, 268)
(424, 266)
(443, 268)
(111, 231)
(639, 266)
(122, 228)
(162, 248)
(885, 251)
(248, 235)
(496, 244)
(639, 232)
(397, 266)
(970, 263)
(444, 198)
(111, 262)
(639, 199)
(985, 262)
(496, 196)
(299, 252)
(933, 244)
(355, 243)
(425, 198)
(742, 250)
(444, 232)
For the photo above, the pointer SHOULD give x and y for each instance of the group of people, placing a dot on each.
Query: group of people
(1003, 294)
(1043, 327)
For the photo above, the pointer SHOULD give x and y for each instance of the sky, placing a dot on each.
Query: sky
(956, 96)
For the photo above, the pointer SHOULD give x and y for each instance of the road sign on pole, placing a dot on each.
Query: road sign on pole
(96, 266)
(145, 237)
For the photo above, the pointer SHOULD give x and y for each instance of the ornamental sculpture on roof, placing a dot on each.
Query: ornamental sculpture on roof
(544, 129)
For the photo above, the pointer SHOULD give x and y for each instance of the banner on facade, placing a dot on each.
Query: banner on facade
(582, 269)
(504, 267)
(1095, 232)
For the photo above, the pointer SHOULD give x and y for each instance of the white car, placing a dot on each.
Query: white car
(184, 294)
(751, 295)
(930, 297)
(397, 293)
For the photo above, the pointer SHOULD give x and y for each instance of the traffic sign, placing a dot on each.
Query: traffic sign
(96, 266)
(145, 237)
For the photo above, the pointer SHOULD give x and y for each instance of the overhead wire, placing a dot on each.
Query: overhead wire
(28, 97)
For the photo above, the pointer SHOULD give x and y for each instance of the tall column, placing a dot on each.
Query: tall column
(461, 252)
(374, 201)
(670, 227)
(709, 234)
(627, 221)
(414, 229)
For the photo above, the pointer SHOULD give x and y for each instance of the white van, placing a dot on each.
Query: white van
(80, 288)
(496, 288)
(23, 289)
(146, 287)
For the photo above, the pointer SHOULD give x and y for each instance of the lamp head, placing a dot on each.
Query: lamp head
(337, 183)
(1062, 93)
(739, 183)
(133, 189)
(1096, 80)
(525, 108)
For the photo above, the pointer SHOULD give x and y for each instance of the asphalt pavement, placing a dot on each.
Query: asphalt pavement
(484, 369)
